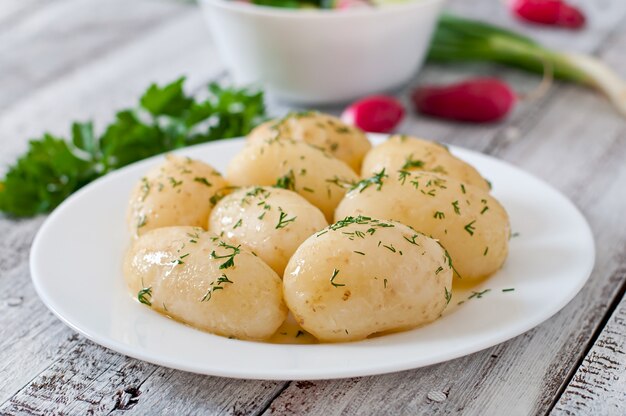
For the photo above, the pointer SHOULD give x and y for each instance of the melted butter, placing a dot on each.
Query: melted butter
(462, 291)
(462, 285)
(291, 333)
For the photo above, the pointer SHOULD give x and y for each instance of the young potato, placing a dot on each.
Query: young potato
(411, 153)
(196, 278)
(178, 192)
(362, 276)
(329, 133)
(320, 178)
(271, 222)
(469, 223)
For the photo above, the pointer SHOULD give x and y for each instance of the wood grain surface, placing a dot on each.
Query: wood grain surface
(63, 60)
(599, 385)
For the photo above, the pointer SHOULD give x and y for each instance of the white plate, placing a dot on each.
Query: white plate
(76, 268)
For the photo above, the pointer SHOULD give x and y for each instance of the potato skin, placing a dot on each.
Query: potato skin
(320, 178)
(471, 225)
(271, 222)
(174, 269)
(346, 143)
(348, 282)
(410, 153)
(176, 193)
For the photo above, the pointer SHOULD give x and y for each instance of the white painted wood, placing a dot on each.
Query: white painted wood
(104, 84)
(570, 137)
(599, 385)
(12, 11)
(91, 379)
(56, 39)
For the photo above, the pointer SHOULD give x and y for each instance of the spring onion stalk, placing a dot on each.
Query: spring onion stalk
(458, 39)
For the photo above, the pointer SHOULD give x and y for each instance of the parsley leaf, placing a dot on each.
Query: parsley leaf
(166, 119)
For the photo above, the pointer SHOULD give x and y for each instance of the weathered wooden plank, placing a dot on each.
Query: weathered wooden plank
(599, 385)
(31, 337)
(113, 81)
(177, 393)
(51, 41)
(90, 379)
(13, 11)
(62, 386)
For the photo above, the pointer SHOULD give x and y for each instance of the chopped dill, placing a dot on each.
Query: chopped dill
(203, 181)
(230, 262)
(376, 179)
(332, 279)
(470, 228)
(283, 221)
(288, 181)
(145, 296)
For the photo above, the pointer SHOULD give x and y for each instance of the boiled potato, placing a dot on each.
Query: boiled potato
(329, 133)
(362, 276)
(410, 153)
(178, 192)
(195, 277)
(320, 178)
(469, 223)
(271, 222)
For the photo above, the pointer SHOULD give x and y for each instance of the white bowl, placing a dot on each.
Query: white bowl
(322, 56)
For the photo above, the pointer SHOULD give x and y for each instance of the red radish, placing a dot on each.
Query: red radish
(479, 100)
(549, 12)
(376, 114)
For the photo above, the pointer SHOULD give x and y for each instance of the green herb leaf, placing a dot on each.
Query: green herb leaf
(288, 181)
(53, 168)
(376, 179)
(145, 296)
(169, 100)
(332, 279)
(230, 262)
(283, 221)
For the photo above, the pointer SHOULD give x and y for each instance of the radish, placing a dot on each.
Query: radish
(376, 114)
(479, 100)
(548, 12)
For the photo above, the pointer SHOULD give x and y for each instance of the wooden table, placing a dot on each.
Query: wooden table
(63, 60)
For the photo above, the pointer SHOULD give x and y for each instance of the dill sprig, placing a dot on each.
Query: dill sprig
(230, 262)
(202, 180)
(410, 163)
(288, 181)
(470, 228)
(145, 296)
(376, 179)
(283, 221)
(479, 295)
(332, 279)
(215, 286)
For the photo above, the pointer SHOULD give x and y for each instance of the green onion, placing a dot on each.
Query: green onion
(458, 39)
